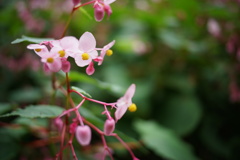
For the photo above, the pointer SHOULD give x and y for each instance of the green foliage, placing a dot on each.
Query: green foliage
(37, 111)
(163, 141)
(81, 91)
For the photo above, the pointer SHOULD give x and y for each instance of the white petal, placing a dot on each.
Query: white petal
(69, 42)
(109, 1)
(87, 42)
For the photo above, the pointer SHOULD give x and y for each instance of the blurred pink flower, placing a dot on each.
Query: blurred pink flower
(101, 7)
(83, 135)
(104, 51)
(109, 126)
(124, 102)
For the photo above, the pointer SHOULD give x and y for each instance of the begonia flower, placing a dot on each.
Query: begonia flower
(100, 7)
(83, 135)
(90, 69)
(64, 47)
(106, 50)
(124, 102)
(39, 49)
(86, 50)
(52, 62)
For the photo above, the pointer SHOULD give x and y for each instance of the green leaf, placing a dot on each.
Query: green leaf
(27, 95)
(81, 91)
(4, 107)
(163, 141)
(182, 114)
(37, 111)
(30, 39)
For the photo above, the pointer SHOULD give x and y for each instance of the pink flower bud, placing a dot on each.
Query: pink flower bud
(83, 135)
(98, 12)
(65, 65)
(90, 69)
(109, 126)
(58, 123)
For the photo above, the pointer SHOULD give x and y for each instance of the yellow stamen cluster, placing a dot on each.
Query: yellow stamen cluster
(38, 49)
(109, 52)
(61, 53)
(85, 56)
(132, 107)
(50, 60)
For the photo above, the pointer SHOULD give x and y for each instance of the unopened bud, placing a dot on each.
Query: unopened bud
(109, 126)
(83, 135)
(58, 123)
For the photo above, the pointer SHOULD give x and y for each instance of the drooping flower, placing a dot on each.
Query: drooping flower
(124, 102)
(100, 7)
(109, 126)
(90, 69)
(106, 51)
(83, 135)
(86, 50)
(58, 123)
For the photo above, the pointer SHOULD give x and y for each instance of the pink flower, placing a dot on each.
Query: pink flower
(52, 62)
(106, 49)
(58, 123)
(100, 7)
(64, 47)
(124, 102)
(86, 50)
(109, 126)
(83, 135)
(39, 49)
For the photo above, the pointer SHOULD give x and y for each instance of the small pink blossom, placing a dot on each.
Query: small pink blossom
(124, 102)
(58, 123)
(104, 50)
(213, 27)
(39, 49)
(52, 62)
(66, 65)
(86, 50)
(101, 7)
(109, 126)
(83, 135)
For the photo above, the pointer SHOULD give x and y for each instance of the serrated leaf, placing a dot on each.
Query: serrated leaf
(81, 91)
(30, 39)
(163, 141)
(37, 111)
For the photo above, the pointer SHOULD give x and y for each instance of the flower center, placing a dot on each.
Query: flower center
(37, 49)
(132, 107)
(61, 53)
(50, 60)
(109, 52)
(85, 56)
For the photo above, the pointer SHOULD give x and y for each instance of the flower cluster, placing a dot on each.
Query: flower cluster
(81, 129)
(54, 54)
(100, 7)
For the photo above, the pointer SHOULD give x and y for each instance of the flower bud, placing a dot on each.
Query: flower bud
(98, 12)
(109, 126)
(83, 135)
(76, 2)
(58, 123)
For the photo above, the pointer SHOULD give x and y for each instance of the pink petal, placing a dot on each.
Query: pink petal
(83, 135)
(109, 1)
(93, 54)
(66, 65)
(58, 123)
(130, 92)
(55, 66)
(80, 62)
(69, 43)
(121, 110)
(90, 69)
(109, 126)
(104, 50)
(87, 42)
(108, 10)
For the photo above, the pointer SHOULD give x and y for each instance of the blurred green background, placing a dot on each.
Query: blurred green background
(183, 57)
